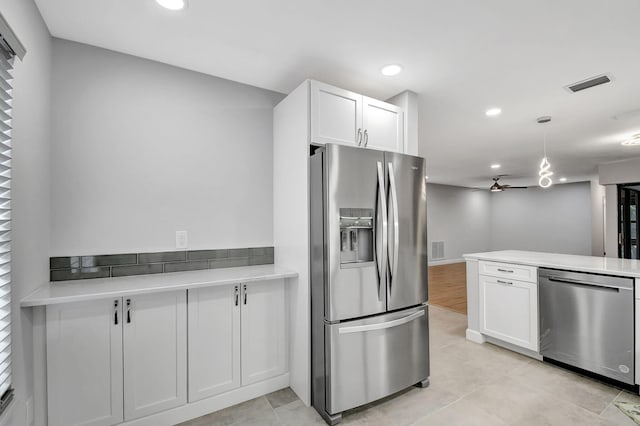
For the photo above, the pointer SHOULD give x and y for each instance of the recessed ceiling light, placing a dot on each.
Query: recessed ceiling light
(391, 70)
(172, 4)
(635, 140)
(495, 166)
(492, 112)
(563, 179)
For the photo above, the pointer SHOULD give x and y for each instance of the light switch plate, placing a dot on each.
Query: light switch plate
(181, 240)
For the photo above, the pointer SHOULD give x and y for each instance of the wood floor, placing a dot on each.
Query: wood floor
(448, 286)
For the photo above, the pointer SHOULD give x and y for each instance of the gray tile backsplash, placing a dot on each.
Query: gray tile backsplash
(124, 271)
(110, 260)
(186, 266)
(207, 254)
(80, 273)
(229, 263)
(120, 265)
(163, 256)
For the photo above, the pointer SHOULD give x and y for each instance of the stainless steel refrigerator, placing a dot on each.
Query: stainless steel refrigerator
(369, 312)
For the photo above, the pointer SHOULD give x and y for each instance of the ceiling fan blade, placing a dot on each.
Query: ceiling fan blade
(518, 187)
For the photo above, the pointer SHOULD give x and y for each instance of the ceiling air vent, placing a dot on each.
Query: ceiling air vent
(588, 83)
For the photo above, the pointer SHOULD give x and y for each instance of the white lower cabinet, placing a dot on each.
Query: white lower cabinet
(214, 341)
(116, 359)
(84, 363)
(155, 353)
(509, 310)
(121, 359)
(237, 336)
(264, 331)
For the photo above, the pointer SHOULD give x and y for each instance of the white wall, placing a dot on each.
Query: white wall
(626, 171)
(555, 220)
(610, 175)
(598, 198)
(611, 215)
(30, 191)
(142, 149)
(461, 217)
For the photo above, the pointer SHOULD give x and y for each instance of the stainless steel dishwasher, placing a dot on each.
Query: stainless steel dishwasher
(587, 321)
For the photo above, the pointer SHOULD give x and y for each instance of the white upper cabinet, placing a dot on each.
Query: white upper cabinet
(347, 118)
(336, 115)
(264, 331)
(155, 353)
(383, 124)
(214, 341)
(84, 363)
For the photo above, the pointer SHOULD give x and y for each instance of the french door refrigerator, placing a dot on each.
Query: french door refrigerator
(370, 330)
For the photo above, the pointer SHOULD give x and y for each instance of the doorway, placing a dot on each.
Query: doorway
(628, 208)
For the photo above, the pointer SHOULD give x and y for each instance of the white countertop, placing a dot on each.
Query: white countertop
(598, 265)
(103, 288)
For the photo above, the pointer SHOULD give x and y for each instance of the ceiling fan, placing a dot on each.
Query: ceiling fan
(496, 187)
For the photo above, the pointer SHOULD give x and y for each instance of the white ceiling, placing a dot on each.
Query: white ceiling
(460, 56)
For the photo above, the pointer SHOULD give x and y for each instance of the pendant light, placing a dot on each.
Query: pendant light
(545, 172)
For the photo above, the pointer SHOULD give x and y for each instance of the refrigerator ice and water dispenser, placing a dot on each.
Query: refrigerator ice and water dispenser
(356, 236)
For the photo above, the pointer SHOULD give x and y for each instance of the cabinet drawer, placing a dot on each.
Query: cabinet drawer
(509, 270)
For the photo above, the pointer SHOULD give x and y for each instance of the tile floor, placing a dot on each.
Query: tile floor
(471, 384)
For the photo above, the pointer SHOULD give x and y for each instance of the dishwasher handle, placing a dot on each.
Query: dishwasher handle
(586, 284)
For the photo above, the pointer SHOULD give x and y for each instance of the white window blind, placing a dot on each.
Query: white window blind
(6, 61)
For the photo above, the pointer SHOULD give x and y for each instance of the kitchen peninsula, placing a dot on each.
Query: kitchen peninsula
(577, 310)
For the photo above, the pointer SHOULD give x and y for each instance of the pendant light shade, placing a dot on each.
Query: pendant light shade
(545, 172)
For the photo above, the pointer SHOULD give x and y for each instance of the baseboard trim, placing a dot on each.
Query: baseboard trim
(475, 336)
(209, 405)
(514, 348)
(445, 261)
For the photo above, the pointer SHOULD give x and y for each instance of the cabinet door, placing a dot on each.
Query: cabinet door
(84, 363)
(383, 124)
(214, 341)
(336, 115)
(263, 324)
(509, 311)
(155, 353)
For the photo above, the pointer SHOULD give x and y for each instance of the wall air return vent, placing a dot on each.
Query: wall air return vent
(588, 83)
(437, 250)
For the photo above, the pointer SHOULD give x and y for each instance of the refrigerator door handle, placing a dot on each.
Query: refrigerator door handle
(396, 236)
(381, 326)
(381, 255)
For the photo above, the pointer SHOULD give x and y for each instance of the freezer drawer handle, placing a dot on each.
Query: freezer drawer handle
(381, 326)
(510, 271)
